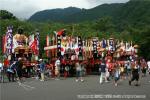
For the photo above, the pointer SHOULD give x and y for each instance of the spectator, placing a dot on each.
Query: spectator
(37, 70)
(148, 64)
(6, 63)
(143, 67)
(135, 74)
(128, 65)
(1, 66)
(50, 70)
(117, 75)
(11, 71)
(122, 71)
(78, 72)
(5, 66)
(57, 69)
(1, 71)
(66, 71)
(103, 72)
(42, 69)
(19, 65)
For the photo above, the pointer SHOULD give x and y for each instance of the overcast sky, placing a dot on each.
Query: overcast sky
(25, 8)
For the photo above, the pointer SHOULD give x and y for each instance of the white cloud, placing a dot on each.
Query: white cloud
(25, 8)
(94, 3)
(20, 8)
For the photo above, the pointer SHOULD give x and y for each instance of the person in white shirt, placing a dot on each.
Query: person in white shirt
(1, 70)
(128, 66)
(78, 72)
(148, 64)
(117, 75)
(57, 68)
(1, 66)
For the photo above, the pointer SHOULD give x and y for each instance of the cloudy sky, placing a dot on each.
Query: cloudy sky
(25, 8)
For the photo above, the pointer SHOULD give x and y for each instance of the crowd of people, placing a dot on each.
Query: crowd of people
(131, 69)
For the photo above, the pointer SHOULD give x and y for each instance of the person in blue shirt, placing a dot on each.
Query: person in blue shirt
(42, 69)
(11, 72)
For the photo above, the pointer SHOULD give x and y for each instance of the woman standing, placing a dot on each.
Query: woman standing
(78, 72)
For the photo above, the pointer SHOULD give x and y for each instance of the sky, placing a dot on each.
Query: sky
(23, 9)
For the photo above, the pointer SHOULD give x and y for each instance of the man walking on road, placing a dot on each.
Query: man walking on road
(42, 69)
(103, 72)
(135, 73)
(19, 65)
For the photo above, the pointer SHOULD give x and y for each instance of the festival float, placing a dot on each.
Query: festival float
(90, 51)
(20, 46)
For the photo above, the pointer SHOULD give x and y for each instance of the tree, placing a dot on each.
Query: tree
(104, 24)
(6, 15)
(144, 43)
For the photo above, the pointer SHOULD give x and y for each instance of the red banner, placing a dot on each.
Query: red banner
(34, 46)
(4, 44)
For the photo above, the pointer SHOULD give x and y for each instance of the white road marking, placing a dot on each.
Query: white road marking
(26, 87)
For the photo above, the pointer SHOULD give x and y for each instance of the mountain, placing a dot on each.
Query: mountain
(131, 12)
(135, 11)
(73, 14)
(56, 15)
(95, 13)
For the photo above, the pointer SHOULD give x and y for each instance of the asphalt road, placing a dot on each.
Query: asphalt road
(69, 89)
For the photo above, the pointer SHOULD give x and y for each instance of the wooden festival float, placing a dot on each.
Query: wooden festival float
(20, 46)
(90, 51)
